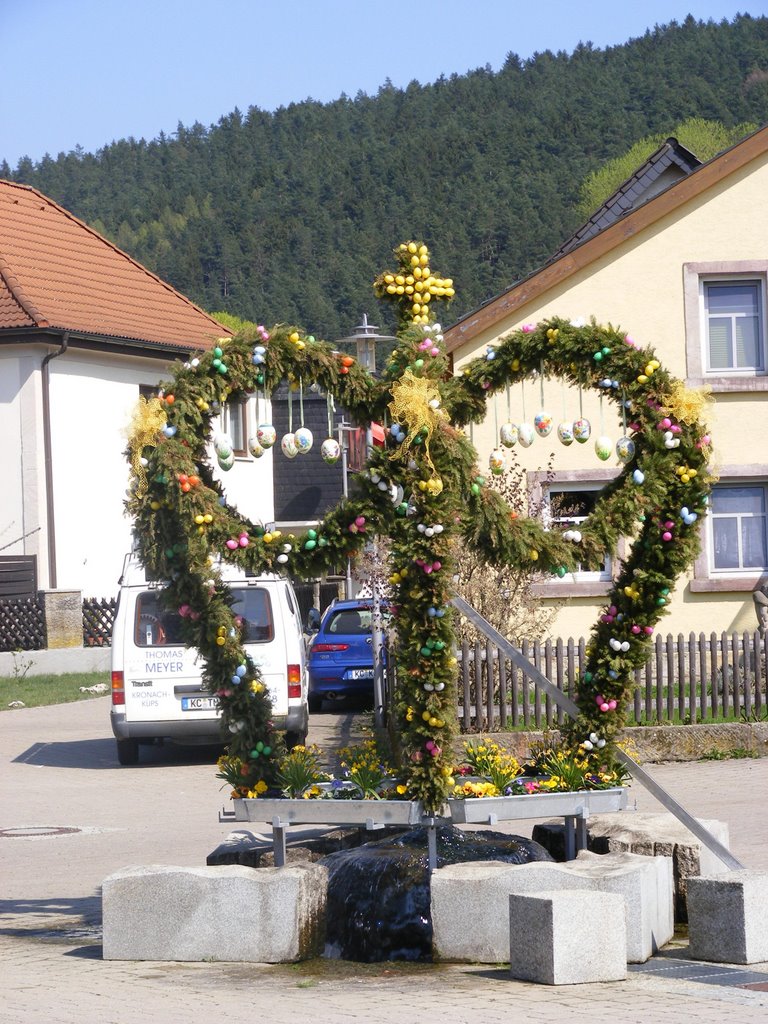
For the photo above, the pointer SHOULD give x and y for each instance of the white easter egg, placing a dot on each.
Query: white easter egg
(625, 448)
(288, 446)
(525, 434)
(303, 439)
(565, 433)
(330, 451)
(508, 434)
(255, 448)
(266, 434)
(543, 423)
(497, 462)
(582, 428)
(604, 448)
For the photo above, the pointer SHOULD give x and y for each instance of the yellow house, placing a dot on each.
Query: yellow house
(683, 267)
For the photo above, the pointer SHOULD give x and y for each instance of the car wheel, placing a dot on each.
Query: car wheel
(314, 704)
(128, 752)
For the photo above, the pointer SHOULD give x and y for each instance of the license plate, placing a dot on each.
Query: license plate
(199, 703)
(360, 673)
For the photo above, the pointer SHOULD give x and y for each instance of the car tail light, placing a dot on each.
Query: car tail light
(330, 647)
(294, 680)
(118, 688)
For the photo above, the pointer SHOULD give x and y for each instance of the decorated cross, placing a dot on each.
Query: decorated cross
(425, 493)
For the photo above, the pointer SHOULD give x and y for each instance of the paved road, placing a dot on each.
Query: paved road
(69, 816)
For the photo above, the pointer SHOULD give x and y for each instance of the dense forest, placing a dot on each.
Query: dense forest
(290, 215)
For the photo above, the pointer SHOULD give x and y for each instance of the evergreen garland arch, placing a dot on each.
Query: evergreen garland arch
(426, 493)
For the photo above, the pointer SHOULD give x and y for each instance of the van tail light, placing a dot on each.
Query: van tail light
(118, 689)
(330, 647)
(294, 680)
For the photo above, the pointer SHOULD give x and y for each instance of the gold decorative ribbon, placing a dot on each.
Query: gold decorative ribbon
(146, 423)
(415, 406)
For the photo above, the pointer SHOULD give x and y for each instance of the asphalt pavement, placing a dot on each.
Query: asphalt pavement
(70, 816)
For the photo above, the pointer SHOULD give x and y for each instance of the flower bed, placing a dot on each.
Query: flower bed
(537, 805)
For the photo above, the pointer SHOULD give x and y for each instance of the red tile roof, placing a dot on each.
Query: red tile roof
(57, 273)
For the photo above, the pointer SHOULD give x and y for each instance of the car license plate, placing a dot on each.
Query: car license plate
(199, 703)
(360, 673)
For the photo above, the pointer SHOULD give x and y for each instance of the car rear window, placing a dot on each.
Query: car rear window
(155, 625)
(252, 609)
(350, 622)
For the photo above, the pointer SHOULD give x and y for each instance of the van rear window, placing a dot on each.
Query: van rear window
(155, 625)
(252, 609)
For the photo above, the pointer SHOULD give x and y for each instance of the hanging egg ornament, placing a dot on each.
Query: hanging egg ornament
(330, 451)
(226, 462)
(525, 434)
(223, 446)
(508, 434)
(565, 433)
(255, 448)
(604, 448)
(497, 462)
(288, 446)
(266, 434)
(543, 423)
(582, 429)
(625, 448)
(303, 439)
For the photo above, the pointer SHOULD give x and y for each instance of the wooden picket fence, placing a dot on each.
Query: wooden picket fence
(695, 679)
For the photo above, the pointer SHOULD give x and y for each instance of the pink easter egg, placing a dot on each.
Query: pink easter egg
(600, 699)
(636, 630)
(666, 535)
(427, 569)
(665, 424)
(184, 610)
(611, 705)
(648, 630)
(669, 525)
(360, 521)
(613, 610)
(437, 565)
(232, 544)
(434, 351)
(243, 541)
(605, 707)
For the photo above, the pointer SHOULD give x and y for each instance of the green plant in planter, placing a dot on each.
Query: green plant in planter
(490, 761)
(364, 766)
(299, 770)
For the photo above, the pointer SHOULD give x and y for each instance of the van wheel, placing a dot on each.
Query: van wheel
(295, 739)
(128, 752)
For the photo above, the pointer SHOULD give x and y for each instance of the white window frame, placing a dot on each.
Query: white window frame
(696, 278)
(705, 282)
(740, 570)
(705, 578)
(232, 411)
(590, 585)
(580, 575)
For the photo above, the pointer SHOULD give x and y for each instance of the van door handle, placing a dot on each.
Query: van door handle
(190, 688)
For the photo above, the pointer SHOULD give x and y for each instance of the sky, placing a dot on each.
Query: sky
(88, 72)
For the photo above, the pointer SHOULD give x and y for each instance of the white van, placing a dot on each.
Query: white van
(157, 688)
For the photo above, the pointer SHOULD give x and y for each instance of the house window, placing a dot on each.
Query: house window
(734, 325)
(234, 416)
(567, 507)
(739, 528)
(726, 334)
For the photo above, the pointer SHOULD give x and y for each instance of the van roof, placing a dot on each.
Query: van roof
(134, 574)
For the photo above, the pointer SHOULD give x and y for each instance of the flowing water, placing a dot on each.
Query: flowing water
(378, 894)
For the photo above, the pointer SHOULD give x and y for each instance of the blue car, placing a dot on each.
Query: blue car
(341, 654)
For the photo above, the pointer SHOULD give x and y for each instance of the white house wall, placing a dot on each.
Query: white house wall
(92, 398)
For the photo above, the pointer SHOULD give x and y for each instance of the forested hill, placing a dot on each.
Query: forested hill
(290, 215)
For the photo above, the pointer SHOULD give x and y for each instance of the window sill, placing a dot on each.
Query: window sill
(591, 588)
(736, 383)
(725, 584)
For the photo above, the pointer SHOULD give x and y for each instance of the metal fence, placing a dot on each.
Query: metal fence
(697, 678)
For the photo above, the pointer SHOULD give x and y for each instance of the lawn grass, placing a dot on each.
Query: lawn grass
(43, 690)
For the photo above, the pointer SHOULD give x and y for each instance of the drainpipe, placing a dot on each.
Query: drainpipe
(51, 522)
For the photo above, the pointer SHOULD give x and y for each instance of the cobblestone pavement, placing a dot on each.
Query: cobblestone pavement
(69, 817)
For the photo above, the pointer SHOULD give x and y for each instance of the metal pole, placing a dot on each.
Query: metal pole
(345, 492)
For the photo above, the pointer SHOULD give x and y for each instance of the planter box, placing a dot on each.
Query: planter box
(489, 810)
(370, 813)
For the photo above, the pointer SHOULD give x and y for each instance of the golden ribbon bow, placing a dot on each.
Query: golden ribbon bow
(416, 405)
(146, 423)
